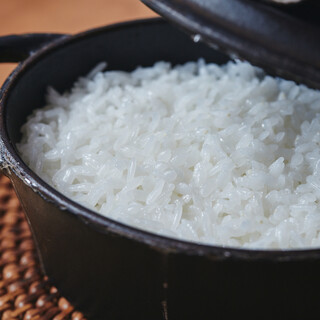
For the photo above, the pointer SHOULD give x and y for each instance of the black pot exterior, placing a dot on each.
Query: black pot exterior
(106, 275)
(112, 277)
(111, 271)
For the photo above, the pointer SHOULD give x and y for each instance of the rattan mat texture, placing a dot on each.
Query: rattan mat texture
(25, 292)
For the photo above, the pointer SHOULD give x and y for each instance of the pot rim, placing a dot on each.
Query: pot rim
(13, 164)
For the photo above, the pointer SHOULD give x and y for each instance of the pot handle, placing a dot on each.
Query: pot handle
(16, 48)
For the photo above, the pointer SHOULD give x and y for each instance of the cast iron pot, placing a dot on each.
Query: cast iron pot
(112, 271)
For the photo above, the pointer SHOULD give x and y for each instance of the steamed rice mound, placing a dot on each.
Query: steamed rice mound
(222, 155)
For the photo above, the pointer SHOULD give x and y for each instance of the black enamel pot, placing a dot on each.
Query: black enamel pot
(107, 269)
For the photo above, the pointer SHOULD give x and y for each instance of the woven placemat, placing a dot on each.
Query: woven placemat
(25, 292)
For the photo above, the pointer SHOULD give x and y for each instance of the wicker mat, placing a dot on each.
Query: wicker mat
(25, 292)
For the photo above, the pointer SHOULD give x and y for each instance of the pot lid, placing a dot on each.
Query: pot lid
(282, 38)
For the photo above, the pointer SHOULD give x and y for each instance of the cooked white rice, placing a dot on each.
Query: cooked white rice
(218, 155)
